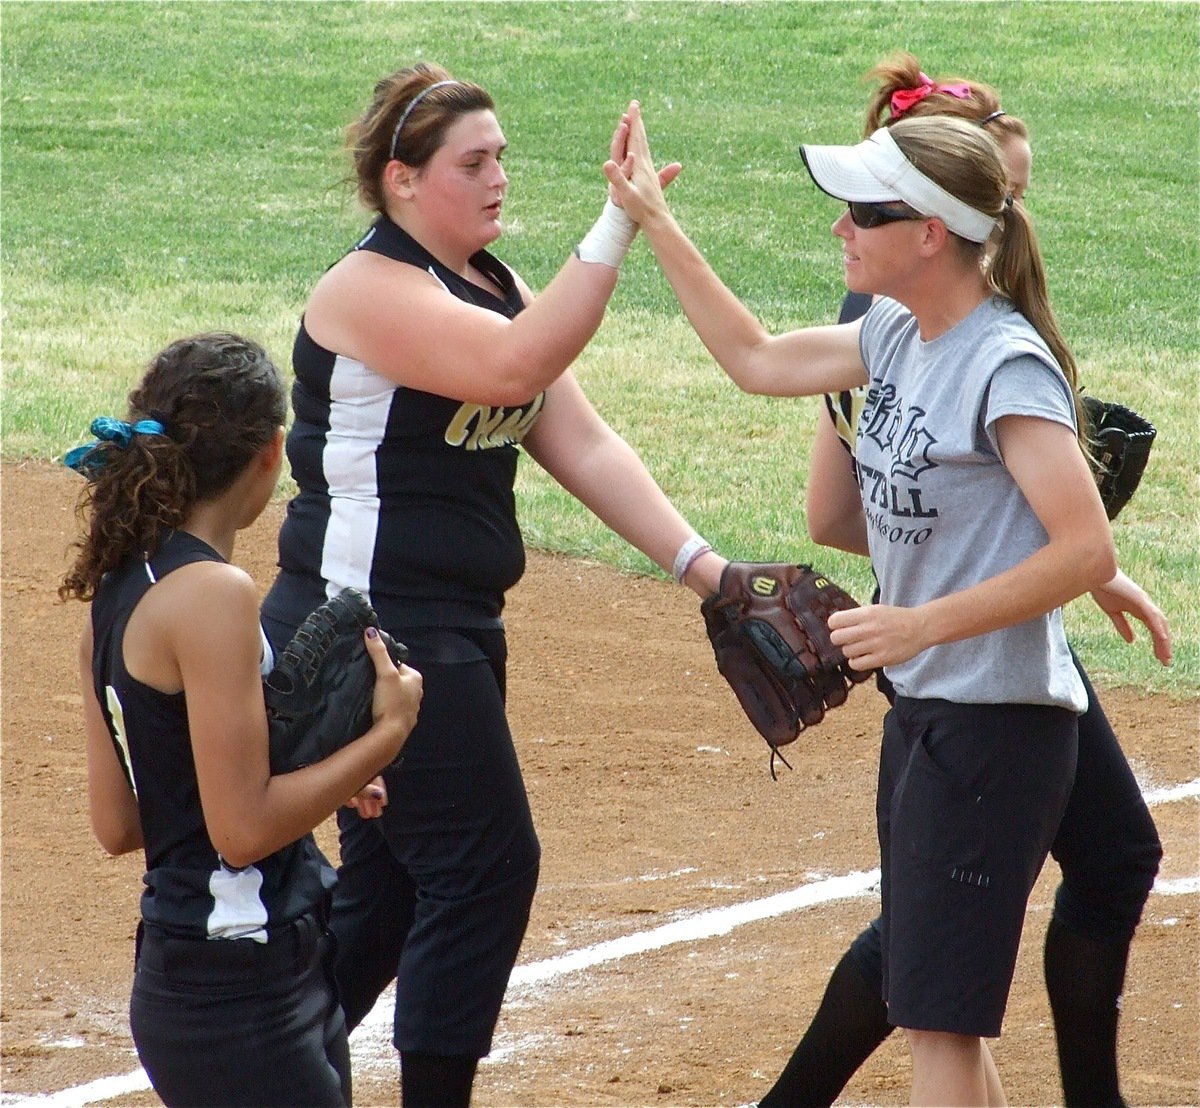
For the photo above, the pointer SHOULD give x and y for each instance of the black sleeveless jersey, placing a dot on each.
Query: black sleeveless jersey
(189, 890)
(403, 494)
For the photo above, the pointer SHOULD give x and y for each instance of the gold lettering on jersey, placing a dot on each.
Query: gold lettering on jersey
(482, 427)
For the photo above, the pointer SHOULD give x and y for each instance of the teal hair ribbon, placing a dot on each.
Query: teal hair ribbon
(87, 459)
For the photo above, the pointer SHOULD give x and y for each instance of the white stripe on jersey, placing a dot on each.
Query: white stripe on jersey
(266, 659)
(238, 911)
(359, 403)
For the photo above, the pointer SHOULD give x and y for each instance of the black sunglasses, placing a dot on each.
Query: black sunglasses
(866, 216)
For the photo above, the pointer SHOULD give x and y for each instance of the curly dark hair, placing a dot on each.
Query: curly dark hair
(220, 400)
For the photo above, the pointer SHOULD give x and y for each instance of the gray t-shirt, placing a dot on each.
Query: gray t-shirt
(943, 511)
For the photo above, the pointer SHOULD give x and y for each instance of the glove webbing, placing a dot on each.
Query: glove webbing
(313, 641)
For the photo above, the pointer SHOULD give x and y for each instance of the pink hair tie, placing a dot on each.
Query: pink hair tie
(905, 98)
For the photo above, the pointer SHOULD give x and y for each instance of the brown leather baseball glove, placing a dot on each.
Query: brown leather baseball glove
(768, 625)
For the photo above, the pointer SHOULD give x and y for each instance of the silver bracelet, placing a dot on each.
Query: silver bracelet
(688, 553)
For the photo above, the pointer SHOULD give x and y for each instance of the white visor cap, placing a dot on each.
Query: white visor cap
(876, 171)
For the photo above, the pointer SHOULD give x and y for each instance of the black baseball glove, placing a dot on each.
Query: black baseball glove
(320, 691)
(768, 625)
(1120, 440)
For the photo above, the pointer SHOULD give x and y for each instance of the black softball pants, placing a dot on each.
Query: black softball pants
(234, 1022)
(436, 893)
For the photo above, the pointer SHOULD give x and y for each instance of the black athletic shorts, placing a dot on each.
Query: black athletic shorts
(970, 797)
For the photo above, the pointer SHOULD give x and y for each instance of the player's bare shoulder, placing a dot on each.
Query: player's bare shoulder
(202, 602)
(360, 292)
(212, 591)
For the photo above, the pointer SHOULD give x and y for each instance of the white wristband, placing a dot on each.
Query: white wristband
(609, 239)
(688, 553)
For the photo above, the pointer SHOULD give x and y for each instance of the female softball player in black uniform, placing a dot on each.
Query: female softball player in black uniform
(1107, 845)
(233, 999)
(423, 365)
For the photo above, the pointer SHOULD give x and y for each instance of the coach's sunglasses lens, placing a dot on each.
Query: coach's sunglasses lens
(866, 216)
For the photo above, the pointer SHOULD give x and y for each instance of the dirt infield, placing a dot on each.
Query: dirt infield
(654, 806)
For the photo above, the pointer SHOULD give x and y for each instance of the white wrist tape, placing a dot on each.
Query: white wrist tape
(688, 553)
(609, 239)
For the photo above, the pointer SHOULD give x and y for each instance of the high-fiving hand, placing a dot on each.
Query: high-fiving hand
(633, 182)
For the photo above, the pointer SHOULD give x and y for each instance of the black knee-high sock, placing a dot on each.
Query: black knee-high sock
(850, 1023)
(1084, 979)
(436, 1080)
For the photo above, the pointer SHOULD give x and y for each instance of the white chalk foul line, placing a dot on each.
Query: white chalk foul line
(372, 1036)
(691, 928)
(1165, 795)
(1180, 886)
(703, 925)
(104, 1088)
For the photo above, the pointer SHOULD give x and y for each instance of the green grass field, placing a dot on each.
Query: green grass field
(175, 167)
